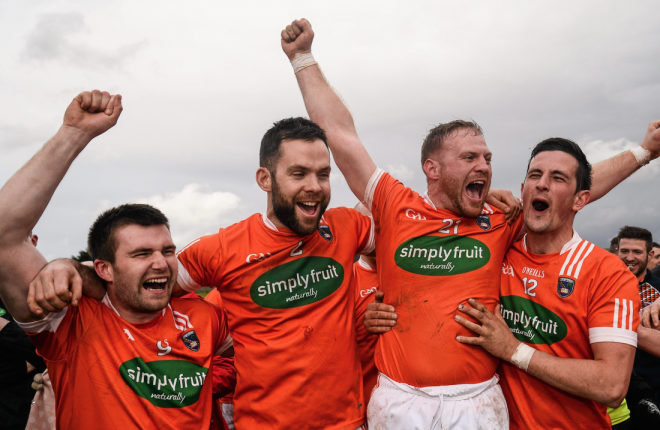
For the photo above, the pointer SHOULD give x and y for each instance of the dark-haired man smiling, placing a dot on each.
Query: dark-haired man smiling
(138, 358)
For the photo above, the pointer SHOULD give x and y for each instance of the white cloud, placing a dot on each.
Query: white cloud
(599, 150)
(400, 171)
(194, 211)
(53, 39)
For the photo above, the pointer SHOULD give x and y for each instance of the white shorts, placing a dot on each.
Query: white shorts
(396, 406)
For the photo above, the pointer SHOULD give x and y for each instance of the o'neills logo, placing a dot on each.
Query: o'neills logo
(441, 256)
(297, 283)
(165, 383)
(531, 322)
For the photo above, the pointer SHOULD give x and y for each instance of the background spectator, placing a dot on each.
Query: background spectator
(654, 262)
(614, 245)
(635, 246)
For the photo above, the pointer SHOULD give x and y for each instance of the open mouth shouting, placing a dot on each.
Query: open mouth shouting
(540, 205)
(309, 208)
(475, 190)
(155, 285)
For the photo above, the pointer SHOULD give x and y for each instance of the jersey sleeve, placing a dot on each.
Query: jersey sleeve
(516, 227)
(200, 263)
(58, 334)
(381, 193)
(224, 339)
(363, 229)
(613, 314)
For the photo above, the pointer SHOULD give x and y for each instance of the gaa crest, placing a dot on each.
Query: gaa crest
(483, 222)
(191, 340)
(565, 287)
(324, 231)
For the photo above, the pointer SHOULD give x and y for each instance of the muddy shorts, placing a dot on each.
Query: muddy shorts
(396, 406)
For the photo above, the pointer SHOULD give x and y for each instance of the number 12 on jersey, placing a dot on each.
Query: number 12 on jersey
(529, 285)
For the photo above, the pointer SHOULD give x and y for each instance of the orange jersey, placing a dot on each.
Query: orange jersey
(214, 297)
(430, 261)
(365, 278)
(290, 307)
(110, 374)
(560, 304)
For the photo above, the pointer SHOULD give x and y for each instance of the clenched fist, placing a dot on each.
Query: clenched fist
(297, 38)
(651, 140)
(93, 112)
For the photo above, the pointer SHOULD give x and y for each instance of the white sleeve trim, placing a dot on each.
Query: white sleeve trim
(228, 343)
(49, 323)
(185, 281)
(371, 187)
(611, 334)
(371, 243)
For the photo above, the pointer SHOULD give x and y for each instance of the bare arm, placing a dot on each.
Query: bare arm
(648, 340)
(604, 379)
(25, 196)
(327, 109)
(611, 172)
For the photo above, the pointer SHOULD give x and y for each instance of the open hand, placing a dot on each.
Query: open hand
(505, 201)
(649, 315)
(494, 335)
(379, 317)
(93, 112)
(297, 38)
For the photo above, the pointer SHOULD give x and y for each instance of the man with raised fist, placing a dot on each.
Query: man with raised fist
(433, 252)
(138, 358)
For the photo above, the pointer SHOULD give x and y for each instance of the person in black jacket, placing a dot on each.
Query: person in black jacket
(19, 363)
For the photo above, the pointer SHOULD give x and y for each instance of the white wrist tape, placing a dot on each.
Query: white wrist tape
(301, 61)
(642, 156)
(522, 356)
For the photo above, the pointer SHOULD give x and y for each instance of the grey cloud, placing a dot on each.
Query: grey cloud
(60, 37)
(18, 136)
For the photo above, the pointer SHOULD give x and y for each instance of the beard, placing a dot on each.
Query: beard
(454, 189)
(285, 211)
(641, 267)
(131, 296)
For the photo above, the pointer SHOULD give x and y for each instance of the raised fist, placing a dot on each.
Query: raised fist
(93, 112)
(651, 140)
(297, 38)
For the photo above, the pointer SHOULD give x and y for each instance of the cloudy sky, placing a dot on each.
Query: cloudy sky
(202, 81)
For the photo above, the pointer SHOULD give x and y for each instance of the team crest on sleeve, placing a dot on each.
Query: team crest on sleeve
(565, 287)
(191, 340)
(324, 231)
(483, 222)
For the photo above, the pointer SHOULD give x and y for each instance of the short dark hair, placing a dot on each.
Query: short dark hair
(286, 129)
(629, 232)
(655, 245)
(438, 134)
(583, 175)
(101, 241)
(614, 241)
